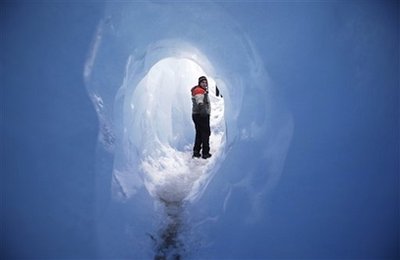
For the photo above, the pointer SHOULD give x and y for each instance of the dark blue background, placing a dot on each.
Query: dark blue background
(49, 130)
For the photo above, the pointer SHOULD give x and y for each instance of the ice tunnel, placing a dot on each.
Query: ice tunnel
(144, 59)
(158, 124)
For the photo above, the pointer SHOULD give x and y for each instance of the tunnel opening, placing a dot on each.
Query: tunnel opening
(162, 131)
(146, 197)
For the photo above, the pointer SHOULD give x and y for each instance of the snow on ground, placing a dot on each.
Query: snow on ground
(160, 134)
(173, 175)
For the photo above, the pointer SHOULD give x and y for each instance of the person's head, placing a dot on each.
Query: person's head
(203, 82)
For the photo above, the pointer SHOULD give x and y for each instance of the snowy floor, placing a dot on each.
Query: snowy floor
(173, 175)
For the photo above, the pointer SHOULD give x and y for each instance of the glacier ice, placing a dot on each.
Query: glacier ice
(144, 59)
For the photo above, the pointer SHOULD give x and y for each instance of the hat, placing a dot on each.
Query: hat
(202, 78)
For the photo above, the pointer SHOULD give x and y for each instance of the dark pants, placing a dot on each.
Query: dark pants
(203, 132)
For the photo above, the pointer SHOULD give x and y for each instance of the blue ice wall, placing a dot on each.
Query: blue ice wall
(48, 131)
(333, 65)
(338, 195)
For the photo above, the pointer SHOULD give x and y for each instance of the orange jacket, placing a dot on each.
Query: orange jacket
(200, 100)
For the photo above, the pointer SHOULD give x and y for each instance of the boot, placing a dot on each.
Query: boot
(206, 156)
(196, 155)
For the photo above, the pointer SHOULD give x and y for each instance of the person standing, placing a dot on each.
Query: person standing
(201, 117)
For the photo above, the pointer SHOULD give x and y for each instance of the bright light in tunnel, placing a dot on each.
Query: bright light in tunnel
(162, 130)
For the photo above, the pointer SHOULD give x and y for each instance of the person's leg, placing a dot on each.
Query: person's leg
(205, 135)
(198, 139)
